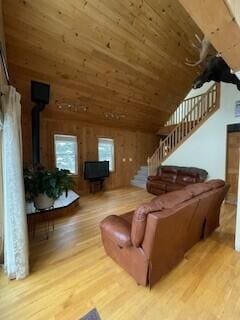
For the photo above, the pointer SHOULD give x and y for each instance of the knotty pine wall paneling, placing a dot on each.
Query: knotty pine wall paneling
(129, 145)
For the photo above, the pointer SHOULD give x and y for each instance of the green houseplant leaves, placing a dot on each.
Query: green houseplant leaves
(51, 182)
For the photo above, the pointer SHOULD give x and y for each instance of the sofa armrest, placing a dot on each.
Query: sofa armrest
(154, 178)
(118, 230)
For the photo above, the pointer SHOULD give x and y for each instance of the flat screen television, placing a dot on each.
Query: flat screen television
(95, 170)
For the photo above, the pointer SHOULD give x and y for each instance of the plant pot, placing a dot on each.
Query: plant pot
(42, 202)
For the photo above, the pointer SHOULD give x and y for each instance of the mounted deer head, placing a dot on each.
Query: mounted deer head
(203, 47)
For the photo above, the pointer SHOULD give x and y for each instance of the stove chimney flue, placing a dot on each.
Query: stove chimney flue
(40, 96)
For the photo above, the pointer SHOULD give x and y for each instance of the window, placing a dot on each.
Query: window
(66, 152)
(106, 151)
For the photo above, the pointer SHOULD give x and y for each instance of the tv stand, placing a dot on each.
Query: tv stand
(96, 185)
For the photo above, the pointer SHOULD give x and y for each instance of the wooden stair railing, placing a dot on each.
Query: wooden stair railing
(184, 108)
(194, 112)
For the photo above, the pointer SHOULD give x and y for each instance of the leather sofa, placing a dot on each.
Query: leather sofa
(151, 240)
(172, 178)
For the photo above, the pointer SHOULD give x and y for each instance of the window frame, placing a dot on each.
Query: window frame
(73, 137)
(113, 153)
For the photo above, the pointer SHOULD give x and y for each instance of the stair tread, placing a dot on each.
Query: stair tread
(142, 173)
(140, 180)
(137, 184)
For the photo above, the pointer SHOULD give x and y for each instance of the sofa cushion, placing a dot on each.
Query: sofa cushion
(168, 175)
(198, 188)
(154, 178)
(172, 199)
(159, 185)
(202, 174)
(140, 220)
(185, 178)
(216, 183)
(156, 191)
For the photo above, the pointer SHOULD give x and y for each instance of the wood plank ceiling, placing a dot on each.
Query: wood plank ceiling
(124, 57)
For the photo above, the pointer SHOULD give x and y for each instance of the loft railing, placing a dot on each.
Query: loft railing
(184, 108)
(193, 112)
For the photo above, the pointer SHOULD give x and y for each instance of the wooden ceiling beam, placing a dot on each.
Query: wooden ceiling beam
(234, 8)
(216, 21)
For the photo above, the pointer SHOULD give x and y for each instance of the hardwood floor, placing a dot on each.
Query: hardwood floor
(71, 273)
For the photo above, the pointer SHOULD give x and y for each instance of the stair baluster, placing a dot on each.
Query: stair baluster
(187, 118)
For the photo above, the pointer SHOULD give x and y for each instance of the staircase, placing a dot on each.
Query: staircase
(140, 178)
(188, 117)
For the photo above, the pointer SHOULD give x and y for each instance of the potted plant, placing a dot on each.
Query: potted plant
(44, 186)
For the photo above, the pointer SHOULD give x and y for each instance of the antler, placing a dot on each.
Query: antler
(203, 48)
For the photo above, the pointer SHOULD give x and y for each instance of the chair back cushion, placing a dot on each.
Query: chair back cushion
(168, 175)
(184, 177)
(201, 173)
(198, 188)
(165, 201)
(140, 219)
(172, 199)
(216, 183)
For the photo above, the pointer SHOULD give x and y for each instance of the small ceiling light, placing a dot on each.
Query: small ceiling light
(72, 107)
(113, 115)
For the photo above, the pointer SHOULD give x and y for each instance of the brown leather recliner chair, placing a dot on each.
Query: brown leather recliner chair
(172, 178)
(149, 242)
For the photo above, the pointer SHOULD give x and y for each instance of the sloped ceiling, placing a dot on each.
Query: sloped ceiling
(125, 57)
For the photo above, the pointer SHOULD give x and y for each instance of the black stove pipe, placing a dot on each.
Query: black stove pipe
(36, 132)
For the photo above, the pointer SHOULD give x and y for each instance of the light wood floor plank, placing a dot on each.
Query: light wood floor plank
(71, 273)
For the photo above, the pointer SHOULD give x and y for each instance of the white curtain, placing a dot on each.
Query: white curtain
(15, 221)
(1, 193)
